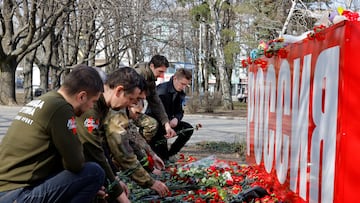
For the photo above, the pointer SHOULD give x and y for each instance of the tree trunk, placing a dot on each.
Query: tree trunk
(28, 76)
(219, 54)
(294, 2)
(217, 87)
(206, 58)
(7, 81)
(28, 88)
(44, 77)
(55, 78)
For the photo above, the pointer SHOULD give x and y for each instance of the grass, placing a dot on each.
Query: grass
(222, 150)
(222, 147)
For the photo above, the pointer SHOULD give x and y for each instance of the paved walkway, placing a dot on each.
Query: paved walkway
(7, 114)
(214, 128)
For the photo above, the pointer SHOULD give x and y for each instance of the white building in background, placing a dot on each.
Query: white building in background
(172, 69)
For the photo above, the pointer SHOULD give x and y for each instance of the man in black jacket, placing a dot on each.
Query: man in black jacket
(172, 95)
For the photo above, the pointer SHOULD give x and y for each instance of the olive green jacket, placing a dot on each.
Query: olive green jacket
(155, 104)
(41, 141)
(92, 135)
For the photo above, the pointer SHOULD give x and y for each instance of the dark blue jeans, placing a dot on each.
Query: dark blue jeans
(63, 187)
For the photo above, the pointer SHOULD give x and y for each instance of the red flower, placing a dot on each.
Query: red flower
(268, 54)
(319, 28)
(190, 159)
(189, 197)
(199, 200)
(263, 64)
(311, 36)
(150, 161)
(233, 163)
(236, 189)
(237, 179)
(198, 126)
(243, 63)
(229, 182)
(317, 34)
(351, 16)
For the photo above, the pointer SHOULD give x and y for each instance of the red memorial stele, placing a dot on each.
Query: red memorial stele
(304, 116)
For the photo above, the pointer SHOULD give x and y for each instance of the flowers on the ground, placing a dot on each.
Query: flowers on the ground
(213, 180)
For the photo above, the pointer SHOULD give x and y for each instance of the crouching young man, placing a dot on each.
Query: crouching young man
(41, 156)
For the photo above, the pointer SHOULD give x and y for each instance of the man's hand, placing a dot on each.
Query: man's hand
(101, 193)
(160, 188)
(174, 122)
(158, 162)
(122, 198)
(125, 188)
(156, 172)
(169, 131)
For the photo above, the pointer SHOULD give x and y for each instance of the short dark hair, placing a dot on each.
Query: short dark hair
(183, 73)
(126, 77)
(83, 78)
(158, 61)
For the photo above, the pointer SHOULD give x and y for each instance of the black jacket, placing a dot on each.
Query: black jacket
(172, 99)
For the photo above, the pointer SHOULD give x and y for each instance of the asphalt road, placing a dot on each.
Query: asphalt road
(214, 128)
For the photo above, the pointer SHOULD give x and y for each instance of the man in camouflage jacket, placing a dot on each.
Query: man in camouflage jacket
(124, 142)
(139, 140)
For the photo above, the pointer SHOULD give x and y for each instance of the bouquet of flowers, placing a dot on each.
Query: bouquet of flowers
(212, 180)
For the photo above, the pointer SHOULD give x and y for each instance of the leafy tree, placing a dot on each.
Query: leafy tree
(218, 17)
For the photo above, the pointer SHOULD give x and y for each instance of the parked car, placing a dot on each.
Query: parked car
(19, 82)
(38, 92)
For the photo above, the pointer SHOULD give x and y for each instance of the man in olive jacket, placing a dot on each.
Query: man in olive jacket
(41, 157)
(151, 71)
